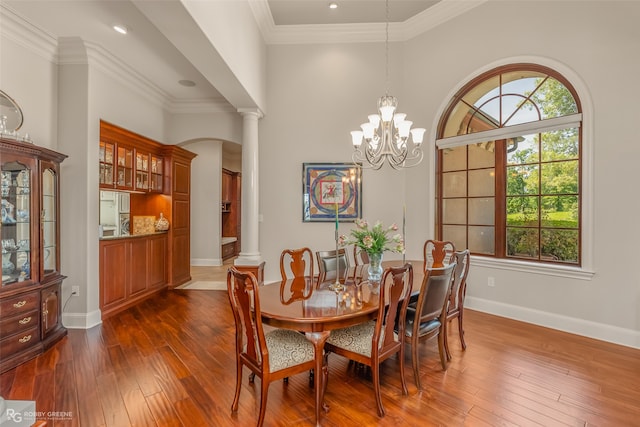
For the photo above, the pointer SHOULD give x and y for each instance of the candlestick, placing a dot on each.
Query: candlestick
(337, 286)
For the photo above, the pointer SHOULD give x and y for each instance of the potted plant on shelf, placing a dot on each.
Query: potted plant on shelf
(374, 241)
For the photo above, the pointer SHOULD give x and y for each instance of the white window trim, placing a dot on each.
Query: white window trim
(547, 125)
(586, 159)
(548, 269)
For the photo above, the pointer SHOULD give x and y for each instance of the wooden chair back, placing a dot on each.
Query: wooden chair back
(395, 287)
(297, 265)
(455, 307)
(328, 265)
(459, 281)
(251, 347)
(361, 261)
(437, 253)
(428, 319)
(434, 295)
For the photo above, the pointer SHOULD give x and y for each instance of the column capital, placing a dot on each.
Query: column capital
(252, 111)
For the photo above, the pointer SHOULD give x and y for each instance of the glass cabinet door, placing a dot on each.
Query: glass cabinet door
(106, 164)
(142, 171)
(15, 232)
(49, 221)
(156, 173)
(125, 168)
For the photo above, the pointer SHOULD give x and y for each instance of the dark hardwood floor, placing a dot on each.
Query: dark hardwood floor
(170, 362)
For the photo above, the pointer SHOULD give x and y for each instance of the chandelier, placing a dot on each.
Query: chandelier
(386, 135)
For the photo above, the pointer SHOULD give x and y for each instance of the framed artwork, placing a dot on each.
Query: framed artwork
(330, 190)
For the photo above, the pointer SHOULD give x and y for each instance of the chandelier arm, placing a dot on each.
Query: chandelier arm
(375, 158)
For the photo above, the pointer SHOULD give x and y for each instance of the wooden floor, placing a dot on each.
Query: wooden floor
(170, 362)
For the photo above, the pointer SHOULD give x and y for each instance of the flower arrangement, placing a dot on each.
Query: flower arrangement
(374, 240)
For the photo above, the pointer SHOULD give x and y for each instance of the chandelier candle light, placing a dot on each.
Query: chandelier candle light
(386, 135)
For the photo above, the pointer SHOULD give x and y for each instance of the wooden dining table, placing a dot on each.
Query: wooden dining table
(324, 310)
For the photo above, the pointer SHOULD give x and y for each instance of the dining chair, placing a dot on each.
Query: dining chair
(372, 342)
(275, 355)
(297, 265)
(455, 307)
(361, 261)
(328, 265)
(427, 319)
(437, 253)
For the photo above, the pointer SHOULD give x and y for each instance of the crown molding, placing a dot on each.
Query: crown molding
(27, 35)
(357, 33)
(75, 51)
(436, 15)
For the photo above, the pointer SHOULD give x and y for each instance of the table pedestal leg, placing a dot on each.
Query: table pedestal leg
(318, 339)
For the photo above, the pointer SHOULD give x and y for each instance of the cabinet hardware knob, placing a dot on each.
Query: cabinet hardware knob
(19, 304)
(25, 339)
(25, 320)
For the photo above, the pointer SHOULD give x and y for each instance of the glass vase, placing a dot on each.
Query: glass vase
(374, 271)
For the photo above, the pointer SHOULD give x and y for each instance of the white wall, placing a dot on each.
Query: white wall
(318, 93)
(28, 75)
(206, 187)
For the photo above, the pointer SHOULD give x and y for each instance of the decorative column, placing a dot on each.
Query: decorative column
(249, 258)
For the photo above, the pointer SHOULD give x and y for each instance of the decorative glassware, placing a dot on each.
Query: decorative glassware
(374, 271)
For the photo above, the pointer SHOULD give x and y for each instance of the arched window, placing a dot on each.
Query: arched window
(509, 169)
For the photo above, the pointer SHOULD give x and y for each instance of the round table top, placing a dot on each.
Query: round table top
(323, 310)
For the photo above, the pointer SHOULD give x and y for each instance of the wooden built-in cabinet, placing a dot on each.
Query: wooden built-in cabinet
(128, 161)
(30, 296)
(231, 215)
(131, 270)
(134, 267)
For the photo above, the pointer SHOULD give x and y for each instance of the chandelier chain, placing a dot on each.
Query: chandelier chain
(386, 45)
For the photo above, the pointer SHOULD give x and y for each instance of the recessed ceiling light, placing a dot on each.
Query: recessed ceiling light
(333, 5)
(122, 29)
(187, 83)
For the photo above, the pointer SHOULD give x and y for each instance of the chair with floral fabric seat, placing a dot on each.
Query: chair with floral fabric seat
(277, 354)
(372, 342)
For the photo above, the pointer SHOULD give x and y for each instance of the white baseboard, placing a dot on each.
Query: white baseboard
(81, 320)
(206, 262)
(599, 331)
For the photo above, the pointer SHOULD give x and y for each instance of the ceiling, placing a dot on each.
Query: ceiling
(317, 12)
(151, 54)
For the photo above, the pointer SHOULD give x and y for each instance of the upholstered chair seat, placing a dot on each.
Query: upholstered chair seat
(425, 327)
(357, 338)
(287, 348)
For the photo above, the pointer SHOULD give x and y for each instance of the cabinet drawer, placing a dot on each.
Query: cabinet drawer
(19, 323)
(228, 250)
(19, 342)
(19, 304)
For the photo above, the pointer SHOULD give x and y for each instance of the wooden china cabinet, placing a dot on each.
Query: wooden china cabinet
(30, 296)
